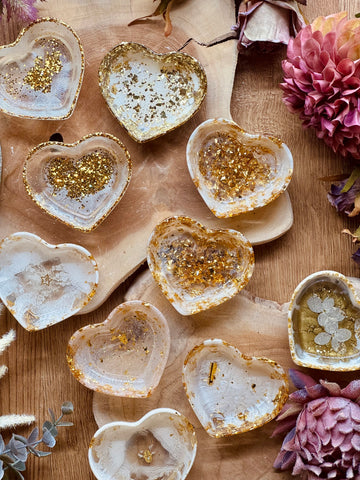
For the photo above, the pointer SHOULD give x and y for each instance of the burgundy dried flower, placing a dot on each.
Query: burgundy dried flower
(345, 197)
(322, 81)
(323, 425)
(268, 22)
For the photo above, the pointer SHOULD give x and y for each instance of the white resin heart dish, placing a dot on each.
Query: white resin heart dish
(41, 72)
(161, 445)
(42, 284)
(198, 268)
(126, 355)
(80, 183)
(236, 172)
(151, 93)
(230, 392)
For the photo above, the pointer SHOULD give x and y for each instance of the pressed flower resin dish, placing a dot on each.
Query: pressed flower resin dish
(162, 444)
(41, 72)
(198, 268)
(324, 323)
(151, 93)
(230, 392)
(80, 183)
(236, 172)
(42, 284)
(126, 355)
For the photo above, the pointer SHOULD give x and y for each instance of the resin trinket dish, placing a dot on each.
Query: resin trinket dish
(232, 393)
(236, 172)
(198, 268)
(42, 284)
(162, 444)
(324, 322)
(151, 93)
(79, 183)
(126, 355)
(41, 72)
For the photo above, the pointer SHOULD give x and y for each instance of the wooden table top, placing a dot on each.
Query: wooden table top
(38, 375)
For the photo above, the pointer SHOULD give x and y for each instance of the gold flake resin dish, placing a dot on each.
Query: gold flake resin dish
(42, 284)
(151, 93)
(41, 72)
(230, 392)
(324, 322)
(124, 356)
(79, 183)
(161, 445)
(236, 172)
(198, 268)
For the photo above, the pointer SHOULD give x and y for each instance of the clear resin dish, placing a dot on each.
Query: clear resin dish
(126, 355)
(236, 172)
(42, 284)
(230, 392)
(80, 183)
(324, 322)
(162, 445)
(198, 268)
(151, 93)
(42, 71)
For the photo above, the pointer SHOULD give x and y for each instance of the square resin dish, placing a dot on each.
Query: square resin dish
(324, 323)
(42, 71)
(236, 172)
(151, 93)
(161, 445)
(79, 183)
(198, 268)
(230, 392)
(42, 284)
(124, 356)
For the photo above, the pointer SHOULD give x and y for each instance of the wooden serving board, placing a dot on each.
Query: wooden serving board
(256, 327)
(161, 185)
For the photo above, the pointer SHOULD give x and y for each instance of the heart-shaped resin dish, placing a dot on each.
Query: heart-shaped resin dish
(324, 322)
(79, 183)
(236, 172)
(126, 355)
(161, 445)
(41, 72)
(42, 284)
(198, 268)
(151, 93)
(230, 392)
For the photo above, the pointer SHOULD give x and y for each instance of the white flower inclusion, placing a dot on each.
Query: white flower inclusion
(329, 318)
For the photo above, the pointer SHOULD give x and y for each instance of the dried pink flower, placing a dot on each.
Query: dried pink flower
(23, 10)
(323, 425)
(267, 22)
(322, 81)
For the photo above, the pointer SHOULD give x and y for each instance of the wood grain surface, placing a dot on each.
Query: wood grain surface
(38, 375)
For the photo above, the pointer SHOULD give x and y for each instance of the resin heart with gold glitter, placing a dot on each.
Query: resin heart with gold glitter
(198, 268)
(80, 183)
(151, 93)
(41, 72)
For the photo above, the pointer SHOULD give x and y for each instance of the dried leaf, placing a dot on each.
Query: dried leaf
(162, 9)
(355, 174)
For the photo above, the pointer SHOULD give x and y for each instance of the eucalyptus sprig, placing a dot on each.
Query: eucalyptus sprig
(13, 455)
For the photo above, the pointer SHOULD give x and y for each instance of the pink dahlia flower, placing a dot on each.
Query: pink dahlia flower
(322, 81)
(323, 425)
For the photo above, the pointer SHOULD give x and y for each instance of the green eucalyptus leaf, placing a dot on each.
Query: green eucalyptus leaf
(48, 438)
(40, 453)
(52, 415)
(19, 466)
(32, 438)
(67, 408)
(65, 424)
(50, 427)
(20, 438)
